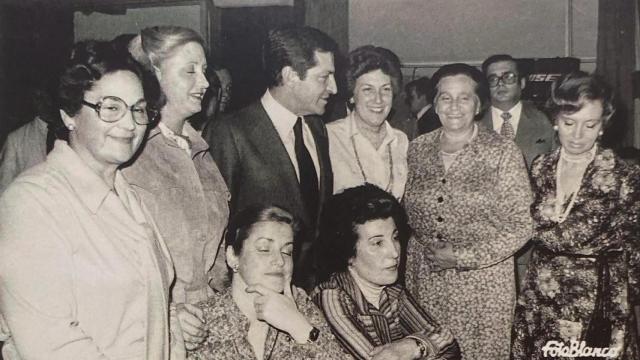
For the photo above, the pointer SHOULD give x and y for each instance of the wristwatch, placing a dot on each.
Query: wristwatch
(313, 334)
(421, 347)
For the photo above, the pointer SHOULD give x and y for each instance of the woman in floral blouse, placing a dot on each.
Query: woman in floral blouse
(467, 198)
(582, 282)
(261, 316)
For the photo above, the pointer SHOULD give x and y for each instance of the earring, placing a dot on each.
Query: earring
(235, 268)
(71, 127)
(600, 133)
(555, 127)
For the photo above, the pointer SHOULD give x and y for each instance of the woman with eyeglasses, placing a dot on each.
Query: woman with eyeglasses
(176, 175)
(84, 274)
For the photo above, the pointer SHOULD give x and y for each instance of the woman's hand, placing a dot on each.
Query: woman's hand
(441, 256)
(280, 311)
(405, 349)
(177, 346)
(191, 320)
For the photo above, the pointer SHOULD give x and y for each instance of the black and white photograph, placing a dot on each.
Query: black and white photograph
(319, 179)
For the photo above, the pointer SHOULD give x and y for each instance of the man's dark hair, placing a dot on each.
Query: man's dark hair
(422, 86)
(295, 47)
(340, 217)
(502, 57)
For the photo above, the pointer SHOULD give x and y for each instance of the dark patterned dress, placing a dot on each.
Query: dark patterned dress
(480, 206)
(582, 281)
(228, 329)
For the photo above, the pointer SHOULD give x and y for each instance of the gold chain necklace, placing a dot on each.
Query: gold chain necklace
(389, 186)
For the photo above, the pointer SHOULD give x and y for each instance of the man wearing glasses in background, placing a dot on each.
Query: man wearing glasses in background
(515, 119)
(518, 120)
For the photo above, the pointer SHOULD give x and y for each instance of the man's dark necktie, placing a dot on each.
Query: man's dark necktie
(308, 175)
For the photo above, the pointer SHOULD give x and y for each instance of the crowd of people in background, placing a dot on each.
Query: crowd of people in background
(145, 220)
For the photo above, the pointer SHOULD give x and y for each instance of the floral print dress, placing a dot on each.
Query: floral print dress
(480, 206)
(582, 282)
(228, 333)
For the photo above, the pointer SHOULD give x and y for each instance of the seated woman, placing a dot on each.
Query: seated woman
(261, 316)
(369, 311)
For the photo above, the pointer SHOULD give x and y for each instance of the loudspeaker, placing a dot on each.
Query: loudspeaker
(541, 73)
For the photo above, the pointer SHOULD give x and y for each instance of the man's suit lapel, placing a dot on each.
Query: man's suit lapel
(264, 136)
(322, 150)
(527, 128)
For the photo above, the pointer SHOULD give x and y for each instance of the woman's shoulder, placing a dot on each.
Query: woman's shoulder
(338, 128)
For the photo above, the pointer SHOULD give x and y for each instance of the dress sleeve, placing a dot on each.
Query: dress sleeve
(342, 320)
(627, 223)
(490, 240)
(326, 347)
(36, 282)
(416, 322)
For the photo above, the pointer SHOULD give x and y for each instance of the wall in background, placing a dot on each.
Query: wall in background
(433, 32)
(106, 26)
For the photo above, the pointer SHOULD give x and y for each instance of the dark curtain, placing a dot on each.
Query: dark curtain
(35, 40)
(616, 62)
(237, 35)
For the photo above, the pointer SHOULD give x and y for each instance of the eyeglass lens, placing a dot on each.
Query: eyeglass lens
(507, 78)
(113, 109)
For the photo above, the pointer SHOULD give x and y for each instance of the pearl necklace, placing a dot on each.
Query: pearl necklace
(560, 215)
(389, 186)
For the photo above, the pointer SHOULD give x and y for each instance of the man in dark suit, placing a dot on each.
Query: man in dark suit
(276, 151)
(420, 94)
(423, 118)
(509, 115)
(516, 119)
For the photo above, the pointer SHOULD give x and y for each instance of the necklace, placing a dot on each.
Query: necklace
(389, 186)
(560, 214)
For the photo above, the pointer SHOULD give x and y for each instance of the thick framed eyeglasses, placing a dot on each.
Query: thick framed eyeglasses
(111, 109)
(508, 78)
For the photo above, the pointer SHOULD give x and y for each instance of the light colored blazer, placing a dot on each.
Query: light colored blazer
(188, 199)
(24, 148)
(84, 273)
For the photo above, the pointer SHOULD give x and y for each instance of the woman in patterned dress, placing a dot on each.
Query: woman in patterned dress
(582, 282)
(261, 316)
(467, 199)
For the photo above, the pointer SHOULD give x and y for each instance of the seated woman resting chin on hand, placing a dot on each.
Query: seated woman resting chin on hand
(261, 316)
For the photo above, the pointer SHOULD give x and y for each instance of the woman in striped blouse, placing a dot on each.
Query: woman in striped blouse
(368, 309)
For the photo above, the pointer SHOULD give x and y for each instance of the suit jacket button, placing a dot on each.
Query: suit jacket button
(440, 199)
(440, 219)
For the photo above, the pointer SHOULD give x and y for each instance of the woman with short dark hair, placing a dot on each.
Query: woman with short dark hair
(583, 280)
(84, 274)
(363, 147)
(467, 200)
(261, 315)
(361, 239)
